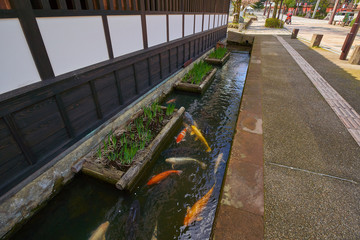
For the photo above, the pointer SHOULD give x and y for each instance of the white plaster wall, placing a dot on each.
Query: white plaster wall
(17, 67)
(198, 23)
(156, 29)
(189, 24)
(216, 20)
(211, 21)
(121, 40)
(175, 27)
(73, 42)
(206, 22)
(225, 19)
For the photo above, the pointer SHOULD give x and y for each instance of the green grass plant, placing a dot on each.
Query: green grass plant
(196, 74)
(123, 148)
(219, 53)
(274, 23)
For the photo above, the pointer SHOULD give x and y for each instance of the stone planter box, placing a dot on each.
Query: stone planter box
(195, 88)
(218, 62)
(127, 180)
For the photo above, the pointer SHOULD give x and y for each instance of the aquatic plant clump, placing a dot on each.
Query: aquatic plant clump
(119, 149)
(197, 73)
(219, 53)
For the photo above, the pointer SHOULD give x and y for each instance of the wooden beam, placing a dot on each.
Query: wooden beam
(33, 37)
(64, 116)
(10, 122)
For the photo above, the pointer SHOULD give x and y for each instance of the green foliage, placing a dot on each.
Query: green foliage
(170, 109)
(258, 5)
(274, 23)
(352, 22)
(219, 53)
(123, 148)
(196, 74)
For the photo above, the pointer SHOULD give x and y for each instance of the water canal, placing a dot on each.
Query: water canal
(85, 203)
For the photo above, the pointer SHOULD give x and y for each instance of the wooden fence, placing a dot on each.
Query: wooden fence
(40, 121)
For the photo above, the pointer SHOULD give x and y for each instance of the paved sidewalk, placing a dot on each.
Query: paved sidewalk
(293, 171)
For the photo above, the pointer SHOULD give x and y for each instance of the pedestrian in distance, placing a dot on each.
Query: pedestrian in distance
(288, 18)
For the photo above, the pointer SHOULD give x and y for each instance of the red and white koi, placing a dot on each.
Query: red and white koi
(181, 136)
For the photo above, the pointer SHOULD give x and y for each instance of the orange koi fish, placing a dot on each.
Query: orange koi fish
(171, 101)
(181, 135)
(99, 233)
(193, 213)
(158, 178)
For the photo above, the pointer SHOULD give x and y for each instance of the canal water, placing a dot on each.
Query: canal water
(85, 203)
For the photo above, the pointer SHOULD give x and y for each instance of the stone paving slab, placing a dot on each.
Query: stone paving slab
(340, 106)
(311, 160)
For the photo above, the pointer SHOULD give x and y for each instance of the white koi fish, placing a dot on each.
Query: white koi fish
(217, 162)
(184, 160)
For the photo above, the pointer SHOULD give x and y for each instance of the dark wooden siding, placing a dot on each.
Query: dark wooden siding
(38, 124)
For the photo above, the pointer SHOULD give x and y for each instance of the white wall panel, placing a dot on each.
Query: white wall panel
(17, 67)
(206, 22)
(189, 24)
(198, 23)
(175, 26)
(123, 42)
(156, 29)
(211, 21)
(216, 24)
(226, 19)
(73, 42)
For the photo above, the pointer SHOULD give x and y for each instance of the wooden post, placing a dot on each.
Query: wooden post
(334, 12)
(355, 58)
(350, 38)
(315, 40)
(294, 33)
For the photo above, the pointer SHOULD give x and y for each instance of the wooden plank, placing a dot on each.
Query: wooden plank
(136, 84)
(64, 116)
(157, 6)
(45, 4)
(33, 37)
(16, 135)
(127, 5)
(96, 100)
(112, 5)
(149, 71)
(62, 4)
(118, 88)
(50, 145)
(154, 67)
(142, 75)
(89, 4)
(127, 83)
(152, 5)
(77, 4)
(40, 131)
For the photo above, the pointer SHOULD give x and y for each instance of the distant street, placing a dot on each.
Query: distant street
(333, 39)
(334, 36)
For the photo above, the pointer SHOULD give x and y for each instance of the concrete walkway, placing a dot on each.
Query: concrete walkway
(293, 171)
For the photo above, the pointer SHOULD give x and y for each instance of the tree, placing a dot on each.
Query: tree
(237, 6)
(275, 8)
(289, 3)
(246, 3)
(258, 5)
